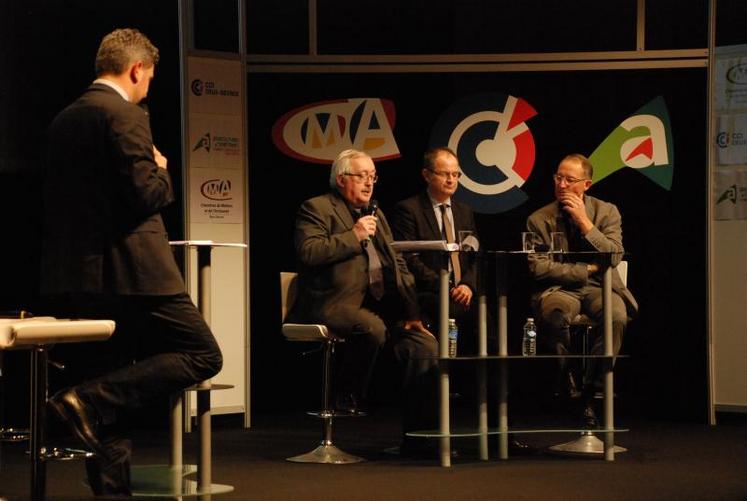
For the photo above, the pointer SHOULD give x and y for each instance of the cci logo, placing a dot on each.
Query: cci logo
(643, 142)
(495, 147)
(197, 87)
(216, 189)
(722, 139)
(319, 131)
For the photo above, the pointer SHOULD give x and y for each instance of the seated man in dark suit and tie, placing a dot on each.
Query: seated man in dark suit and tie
(434, 215)
(352, 280)
(564, 289)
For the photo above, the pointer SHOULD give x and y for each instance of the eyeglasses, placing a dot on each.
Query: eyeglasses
(363, 178)
(568, 180)
(446, 175)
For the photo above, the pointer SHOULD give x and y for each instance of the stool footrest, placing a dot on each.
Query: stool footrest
(14, 434)
(335, 414)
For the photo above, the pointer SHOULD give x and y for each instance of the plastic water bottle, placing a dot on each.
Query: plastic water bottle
(453, 335)
(529, 341)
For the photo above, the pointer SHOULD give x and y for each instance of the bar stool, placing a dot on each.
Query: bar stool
(326, 452)
(38, 335)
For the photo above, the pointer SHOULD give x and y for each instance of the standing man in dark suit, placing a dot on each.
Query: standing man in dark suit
(352, 280)
(434, 215)
(564, 289)
(106, 255)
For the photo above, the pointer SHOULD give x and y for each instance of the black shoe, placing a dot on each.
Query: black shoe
(82, 420)
(517, 448)
(349, 403)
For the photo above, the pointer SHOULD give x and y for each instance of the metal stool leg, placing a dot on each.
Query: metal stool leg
(37, 417)
(326, 452)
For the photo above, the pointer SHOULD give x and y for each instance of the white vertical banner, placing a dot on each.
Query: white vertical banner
(730, 143)
(216, 209)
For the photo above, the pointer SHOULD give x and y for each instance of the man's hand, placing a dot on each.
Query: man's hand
(574, 205)
(417, 326)
(462, 294)
(365, 227)
(592, 268)
(161, 160)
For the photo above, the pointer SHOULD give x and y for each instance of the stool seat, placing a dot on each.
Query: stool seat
(35, 334)
(27, 332)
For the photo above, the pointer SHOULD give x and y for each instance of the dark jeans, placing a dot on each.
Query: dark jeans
(161, 345)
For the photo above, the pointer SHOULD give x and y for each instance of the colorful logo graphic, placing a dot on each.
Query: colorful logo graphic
(203, 143)
(209, 88)
(737, 74)
(319, 131)
(495, 147)
(643, 142)
(216, 189)
(223, 144)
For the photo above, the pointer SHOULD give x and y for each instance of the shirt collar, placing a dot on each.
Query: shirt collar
(114, 86)
(436, 204)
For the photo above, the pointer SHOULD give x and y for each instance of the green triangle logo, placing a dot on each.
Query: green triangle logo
(643, 142)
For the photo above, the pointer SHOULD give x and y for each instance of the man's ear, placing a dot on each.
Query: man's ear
(136, 72)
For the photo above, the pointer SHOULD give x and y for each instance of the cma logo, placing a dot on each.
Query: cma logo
(737, 74)
(216, 189)
(317, 132)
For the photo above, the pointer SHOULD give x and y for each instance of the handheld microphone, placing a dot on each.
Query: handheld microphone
(371, 209)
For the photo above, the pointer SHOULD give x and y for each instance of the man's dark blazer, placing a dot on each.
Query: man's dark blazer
(103, 191)
(414, 219)
(334, 265)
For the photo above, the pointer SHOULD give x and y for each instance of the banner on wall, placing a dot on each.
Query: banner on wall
(216, 150)
(730, 144)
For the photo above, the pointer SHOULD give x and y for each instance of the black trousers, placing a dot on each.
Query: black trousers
(161, 345)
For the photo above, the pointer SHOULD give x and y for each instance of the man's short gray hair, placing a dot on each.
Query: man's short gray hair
(341, 165)
(122, 47)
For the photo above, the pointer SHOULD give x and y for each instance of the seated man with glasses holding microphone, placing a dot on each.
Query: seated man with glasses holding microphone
(564, 289)
(353, 281)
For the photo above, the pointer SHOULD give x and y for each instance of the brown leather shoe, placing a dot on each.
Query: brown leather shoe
(82, 419)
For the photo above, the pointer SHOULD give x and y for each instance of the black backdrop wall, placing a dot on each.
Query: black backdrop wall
(664, 231)
(47, 58)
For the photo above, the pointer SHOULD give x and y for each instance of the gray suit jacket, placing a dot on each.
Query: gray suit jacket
(606, 236)
(333, 266)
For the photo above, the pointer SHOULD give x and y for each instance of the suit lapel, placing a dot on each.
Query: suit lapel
(342, 211)
(430, 216)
